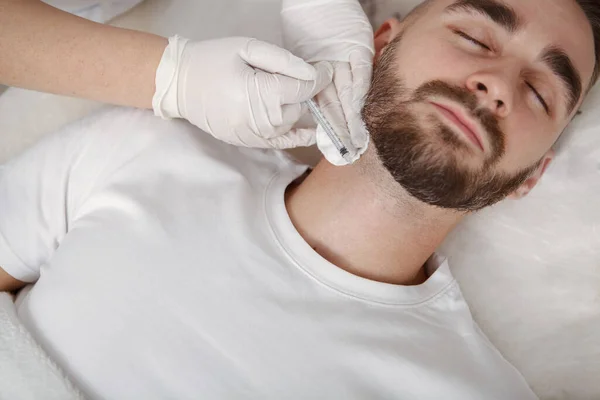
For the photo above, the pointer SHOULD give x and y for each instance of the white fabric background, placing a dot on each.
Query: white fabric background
(26, 371)
(529, 269)
(94, 10)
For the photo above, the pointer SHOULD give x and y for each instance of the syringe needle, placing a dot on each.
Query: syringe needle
(321, 120)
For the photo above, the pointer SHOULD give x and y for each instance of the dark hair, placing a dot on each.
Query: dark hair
(591, 8)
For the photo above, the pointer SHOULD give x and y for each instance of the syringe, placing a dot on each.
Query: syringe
(321, 120)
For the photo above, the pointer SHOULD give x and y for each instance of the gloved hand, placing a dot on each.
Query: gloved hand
(240, 90)
(337, 31)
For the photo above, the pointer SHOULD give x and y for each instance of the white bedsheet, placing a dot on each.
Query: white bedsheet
(529, 269)
(26, 371)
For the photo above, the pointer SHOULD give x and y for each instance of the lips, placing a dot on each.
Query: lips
(462, 123)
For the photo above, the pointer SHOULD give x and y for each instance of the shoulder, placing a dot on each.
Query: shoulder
(487, 370)
(117, 135)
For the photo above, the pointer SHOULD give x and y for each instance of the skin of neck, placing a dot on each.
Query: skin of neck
(359, 219)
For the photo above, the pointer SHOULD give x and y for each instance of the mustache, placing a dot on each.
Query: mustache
(486, 118)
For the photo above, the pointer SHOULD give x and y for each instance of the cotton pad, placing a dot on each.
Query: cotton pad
(330, 152)
(338, 113)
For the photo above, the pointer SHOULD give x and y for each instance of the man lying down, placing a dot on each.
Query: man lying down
(168, 264)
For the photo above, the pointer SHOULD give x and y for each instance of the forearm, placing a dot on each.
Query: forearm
(45, 49)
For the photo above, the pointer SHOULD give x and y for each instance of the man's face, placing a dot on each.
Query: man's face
(469, 97)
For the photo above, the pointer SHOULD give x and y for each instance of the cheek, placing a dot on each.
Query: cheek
(419, 61)
(526, 141)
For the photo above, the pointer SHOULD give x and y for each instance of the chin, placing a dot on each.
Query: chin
(445, 147)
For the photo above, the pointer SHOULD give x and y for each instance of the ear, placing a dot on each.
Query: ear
(385, 34)
(530, 183)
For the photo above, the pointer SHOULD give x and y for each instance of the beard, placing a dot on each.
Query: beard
(427, 161)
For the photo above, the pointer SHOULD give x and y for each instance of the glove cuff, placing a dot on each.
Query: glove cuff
(164, 101)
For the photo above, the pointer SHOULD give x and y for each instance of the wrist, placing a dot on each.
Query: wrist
(165, 100)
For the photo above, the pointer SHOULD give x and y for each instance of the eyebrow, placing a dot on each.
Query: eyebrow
(562, 67)
(494, 10)
(555, 58)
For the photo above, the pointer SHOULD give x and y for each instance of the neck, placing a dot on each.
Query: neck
(359, 219)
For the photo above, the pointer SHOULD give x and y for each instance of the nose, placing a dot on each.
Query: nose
(494, 92)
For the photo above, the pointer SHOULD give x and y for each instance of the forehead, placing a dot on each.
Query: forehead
(544, 23)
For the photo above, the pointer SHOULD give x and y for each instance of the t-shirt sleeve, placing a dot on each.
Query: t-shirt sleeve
(36, 196)
(41, 190)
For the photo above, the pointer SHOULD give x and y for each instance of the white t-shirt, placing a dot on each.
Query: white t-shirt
(167, 268)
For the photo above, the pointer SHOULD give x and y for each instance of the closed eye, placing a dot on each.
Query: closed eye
(486, 47)
(472, 40)
(539, 97)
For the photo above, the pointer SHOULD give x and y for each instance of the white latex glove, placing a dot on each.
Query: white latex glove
(240, 90)
(340, 32)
